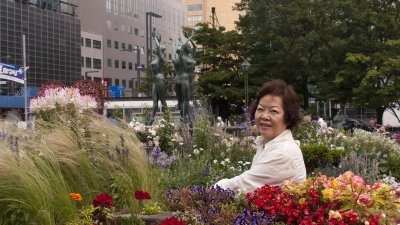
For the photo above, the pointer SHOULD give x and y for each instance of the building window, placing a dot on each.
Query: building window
(116, 44)
(96, 44)
(81, 41)
(109, 63)
(196, 7)
(123, 65)
(116, 82)
(129, 46)
(136, 31)
(109, 43)
(123, 45)
(108, 5)
(124, 83)
(115, 6)
(116, 64)
(195, 18)
(130, 66)
(129, 7)
(82, 62)
(88, 42)
(123, 6)
(130, 83)
(130, 31)
(97, 63)
(88, 62)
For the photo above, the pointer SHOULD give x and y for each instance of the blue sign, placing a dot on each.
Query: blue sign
(10, 72)
(115, 91)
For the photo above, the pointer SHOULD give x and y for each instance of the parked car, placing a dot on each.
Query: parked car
(353, 123)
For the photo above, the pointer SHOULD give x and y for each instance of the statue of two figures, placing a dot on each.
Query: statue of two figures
(184, 63)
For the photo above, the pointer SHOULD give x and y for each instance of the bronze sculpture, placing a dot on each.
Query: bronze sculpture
(158, 84)
(184, 64)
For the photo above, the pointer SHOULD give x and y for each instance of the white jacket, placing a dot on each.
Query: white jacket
(274, 162)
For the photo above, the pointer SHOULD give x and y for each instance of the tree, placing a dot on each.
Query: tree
(291, 40)
(220, 78)
(370, 75)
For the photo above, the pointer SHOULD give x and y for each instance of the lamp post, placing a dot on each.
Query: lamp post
(245, 67)
(149, 47)
(25, 78)
(138, 66)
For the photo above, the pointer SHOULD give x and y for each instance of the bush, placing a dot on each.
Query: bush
(50, 85)
(91, 88)
(394, 166)
(316, 156)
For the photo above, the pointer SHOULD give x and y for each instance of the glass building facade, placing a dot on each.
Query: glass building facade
(52, 32)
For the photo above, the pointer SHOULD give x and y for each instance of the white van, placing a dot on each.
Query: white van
(389, 119)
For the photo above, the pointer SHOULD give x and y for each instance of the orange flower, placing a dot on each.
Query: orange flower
(76, 196)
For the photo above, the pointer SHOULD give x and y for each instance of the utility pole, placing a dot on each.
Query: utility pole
(25, 78)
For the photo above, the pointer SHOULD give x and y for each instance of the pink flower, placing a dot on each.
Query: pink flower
(358, 180)
(365, 199)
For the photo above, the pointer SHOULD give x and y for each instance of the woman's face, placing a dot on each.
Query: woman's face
(270, 117)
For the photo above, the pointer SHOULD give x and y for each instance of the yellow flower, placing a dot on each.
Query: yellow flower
(334, 184)
(328, 194)
(76, 196)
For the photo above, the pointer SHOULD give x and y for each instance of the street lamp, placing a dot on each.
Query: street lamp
(25, 78)
(149, 47)
(245, 67)
(138, 64)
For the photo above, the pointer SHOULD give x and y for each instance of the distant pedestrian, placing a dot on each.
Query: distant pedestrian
(322, 125)
(373, 121)
(220, 122)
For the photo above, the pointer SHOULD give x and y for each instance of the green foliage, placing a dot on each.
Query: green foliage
(316, 156)
(167, 129)
(349, 49)
(220, 78)
(394, 166)
(151, 208)
(201, 133)
(84, 217)
(85, 154)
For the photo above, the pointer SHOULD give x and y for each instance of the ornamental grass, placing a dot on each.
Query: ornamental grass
(72, 153)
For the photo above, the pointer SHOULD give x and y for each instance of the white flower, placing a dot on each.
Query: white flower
(215, 161)
(222, 162)
(196, 151)
(227, 160)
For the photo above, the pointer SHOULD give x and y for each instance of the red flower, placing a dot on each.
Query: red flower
(103, 200)
(173, 221)
(142, 195)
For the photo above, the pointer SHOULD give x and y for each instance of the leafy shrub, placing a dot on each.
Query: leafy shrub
(52, 84)
(394, 166)
(91, 88)
(316, 156)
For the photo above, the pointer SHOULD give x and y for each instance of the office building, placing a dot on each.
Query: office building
(120, 26)
(52, 31)
(217, 12)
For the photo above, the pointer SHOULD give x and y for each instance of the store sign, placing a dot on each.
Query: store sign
(10, 72)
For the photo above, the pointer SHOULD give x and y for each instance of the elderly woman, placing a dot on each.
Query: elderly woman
(278, 157)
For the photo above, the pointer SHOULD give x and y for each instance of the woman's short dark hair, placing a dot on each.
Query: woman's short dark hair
(289, 97)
